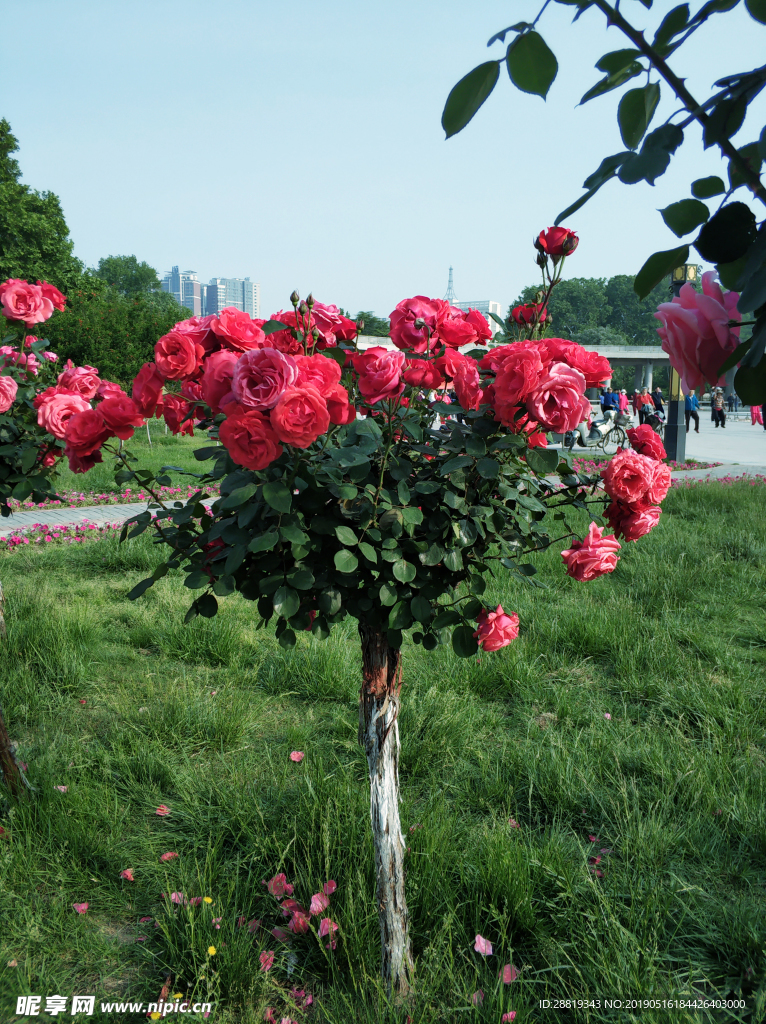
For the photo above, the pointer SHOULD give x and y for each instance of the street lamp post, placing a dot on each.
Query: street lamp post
(675, 428)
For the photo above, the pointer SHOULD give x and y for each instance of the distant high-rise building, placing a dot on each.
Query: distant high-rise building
(185, 288)
(240, 292)
(201, 299)
(485, 306)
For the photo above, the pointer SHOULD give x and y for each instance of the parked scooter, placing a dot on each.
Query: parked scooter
(607, 433)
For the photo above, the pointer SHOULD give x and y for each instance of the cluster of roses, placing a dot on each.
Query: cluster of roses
(27, 304)
(556, 244)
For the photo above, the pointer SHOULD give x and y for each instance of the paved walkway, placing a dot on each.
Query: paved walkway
(103, 514)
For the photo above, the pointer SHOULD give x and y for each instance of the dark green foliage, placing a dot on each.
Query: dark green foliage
(34, 238)
(376, 326)
(127, 276)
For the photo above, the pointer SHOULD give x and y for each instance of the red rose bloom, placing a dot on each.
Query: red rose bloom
(177, 356)
(496, 629)
(108, 389)
(199, 330)
(261, 376)
(249, 438)
(594, 556)
(57, 300)
(8, 389)
(632, 522)
(174, 411)
(121, 415)
(338, 406)
(423, 374)
(592, 366)
(320, 372)
(531, 313)
(300, 416)
(481, 325)
(629, 476)
(468, 385)
(646, 441)
(217, 374)
(85, 432)
(82, 379)
(518, 375)
(558, 402)
(379, 372)
(557, 242)
(237, 330)
(147, 390)
(455, 330)
(57, 407)
(24, 302)
(404, 333)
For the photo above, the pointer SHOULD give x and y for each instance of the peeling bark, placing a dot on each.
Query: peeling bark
(10, 770)
(379, 702)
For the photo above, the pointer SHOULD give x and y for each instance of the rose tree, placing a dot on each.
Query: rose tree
(339, 497)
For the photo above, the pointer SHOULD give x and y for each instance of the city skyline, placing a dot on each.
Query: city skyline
(219, 293)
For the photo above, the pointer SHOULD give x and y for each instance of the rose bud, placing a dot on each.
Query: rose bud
(295, 298)
(310, 300)
(303, 309)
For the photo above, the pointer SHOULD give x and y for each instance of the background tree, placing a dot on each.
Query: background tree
(127, 276)
(631, 316)
(375, 326)
(34, 237)
(101, 327)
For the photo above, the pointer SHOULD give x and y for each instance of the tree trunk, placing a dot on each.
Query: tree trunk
(379, 702)
(10, 769)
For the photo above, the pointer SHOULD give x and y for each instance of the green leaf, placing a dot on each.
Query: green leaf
(197, 579)
(330, 601)
(421, 609)
(532, 66)
(752, 157)
(706, 188)
(750, 383)
(412, 516)
(345, 561)
(468, 95)
(400, 616)
(685, 216)
(278, 496)
(542, 460)
(207, 606)
(488, 468)
(320, 628)
(464, 643)
(346, 535)
(453, 560)
(757, 9)
(654, 157)
(238, 497)
(301, 579)
(729, 273)
(287, 639)
(404, 571)
(617, 60)
(658, 266)
(368, 551)
(477, 584)
(388, 595)
(735, 357)
(613, 81)
(445, 619)
(433, 555)
(724, 120)
(459, 462)
(404, 493)
(672, 24)
(140, 588)
(606, 170)
(286, 602)
(727, 235)
(762, 144)
(635, 112)
(274, 325)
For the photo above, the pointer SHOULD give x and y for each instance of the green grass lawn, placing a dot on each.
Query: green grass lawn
(203, 717)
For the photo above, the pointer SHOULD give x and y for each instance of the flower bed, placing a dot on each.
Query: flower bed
(84, 499)
(743, 478)
(594, 465)
(45, 533)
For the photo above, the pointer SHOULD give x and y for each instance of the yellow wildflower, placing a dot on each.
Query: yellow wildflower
(211, 950)
(206, 899)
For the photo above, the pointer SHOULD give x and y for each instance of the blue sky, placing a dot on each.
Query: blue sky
(301, 144)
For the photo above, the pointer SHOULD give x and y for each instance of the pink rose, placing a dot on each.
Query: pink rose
(57, 300)
(217, 374)
(468, 385)
(192, 390)
(199, 330)
(55, 413)
(660, 484)
(283, 340)
(496, 629)
(108, 389)
(519, 373)
(481, 326)
(174, 410)
(177, 356)
(592, 366)
(8, 389)
(249, 438)
(450, 362)
(82, 379)
(121, 415)
(27, 362)
(24, 302)
(558, 402)
(455, 330)
(331, 324)
(320, 372)
(380, 373)
(594, 556)
(339, 407)
(629, 476)
(85, 433)
(261, 377)
(300, 416)
(646, 441)
(404, 333)
(632, 522)
(557, 242)
(423, 374)
(237, 330)
(147, 390)
(695, 332)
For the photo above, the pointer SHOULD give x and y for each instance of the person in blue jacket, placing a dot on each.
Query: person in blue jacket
(691, 411)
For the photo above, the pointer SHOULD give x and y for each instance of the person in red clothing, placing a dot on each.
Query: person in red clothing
(643, 404)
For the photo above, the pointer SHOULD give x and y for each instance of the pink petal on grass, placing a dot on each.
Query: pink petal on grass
(279, 886)
(168, 856)
(508, 1017)
(61, 789)
(319, 902)
(241, 922)
(592, 839)
(297, 755)
(330, 887)
(81, 908)
(509, 973)
(195, 901)
(299, 923)
(326, 927)
(144, 920)
(83, 701)
(483, 946)
(478, 997)
(281, 935)
(162, 811)
(217, 922)
(513, 823)
(267, 961)
(254, 925)
(127, 874)
(176, 897)
(607, 716)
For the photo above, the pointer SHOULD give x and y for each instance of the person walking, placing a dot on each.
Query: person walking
(719, 408)
(730, 403)
(623, 400)
(691, 411)
(657, 399)
(644, 404)
(756, 415)
(609, 401)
